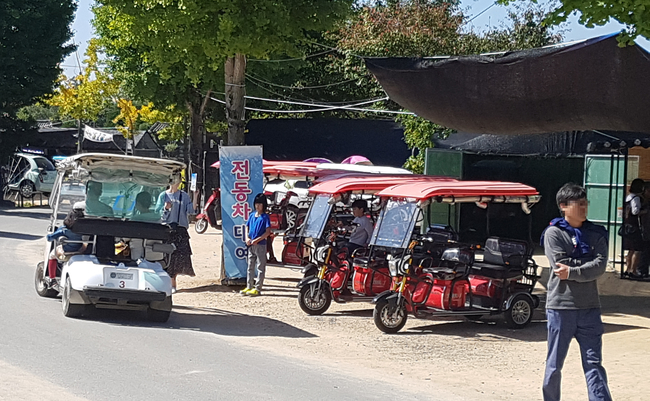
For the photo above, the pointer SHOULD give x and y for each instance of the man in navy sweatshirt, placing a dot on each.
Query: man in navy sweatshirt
(577, 252)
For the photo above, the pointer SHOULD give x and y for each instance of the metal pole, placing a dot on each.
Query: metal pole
(625, 154)
(609, 203)
(618, 170)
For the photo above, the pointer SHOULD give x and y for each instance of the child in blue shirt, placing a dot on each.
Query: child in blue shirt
(258, 228)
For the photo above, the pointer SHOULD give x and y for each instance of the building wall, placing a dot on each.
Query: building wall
(644, 161)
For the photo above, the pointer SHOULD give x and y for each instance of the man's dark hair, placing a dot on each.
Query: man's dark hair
(361, 204)
(261, 199)
(570, 192)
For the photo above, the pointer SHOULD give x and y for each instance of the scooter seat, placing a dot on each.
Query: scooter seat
(496, 271)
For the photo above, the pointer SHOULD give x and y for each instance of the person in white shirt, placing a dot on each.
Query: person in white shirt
(363, 231)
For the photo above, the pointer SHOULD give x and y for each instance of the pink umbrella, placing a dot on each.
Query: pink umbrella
(318, 160)
(357, 159)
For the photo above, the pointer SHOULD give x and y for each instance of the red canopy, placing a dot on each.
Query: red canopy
(462, 189)
(370, 183)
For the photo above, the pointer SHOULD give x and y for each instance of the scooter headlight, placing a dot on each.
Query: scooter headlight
(397, 266)
(321, 253)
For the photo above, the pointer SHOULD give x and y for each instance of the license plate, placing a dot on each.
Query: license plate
(119, 279)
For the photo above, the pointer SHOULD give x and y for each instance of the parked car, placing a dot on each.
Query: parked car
(29, 174)
(298, 205)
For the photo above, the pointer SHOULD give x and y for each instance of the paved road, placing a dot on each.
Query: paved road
(120, 356)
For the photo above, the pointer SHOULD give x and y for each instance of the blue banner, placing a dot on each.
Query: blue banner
(241, 179)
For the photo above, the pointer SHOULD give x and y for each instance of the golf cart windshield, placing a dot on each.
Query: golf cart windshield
(124, 200)
(121, 194)
(395, 224)
(317, 218)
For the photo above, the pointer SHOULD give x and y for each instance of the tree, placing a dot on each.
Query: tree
(634, 14)
(206, 36)
(33, 37)
(87, 95)
(180, 53)
(419, 28)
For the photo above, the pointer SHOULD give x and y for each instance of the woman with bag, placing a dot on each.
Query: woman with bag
(631, 229)
(176, 206)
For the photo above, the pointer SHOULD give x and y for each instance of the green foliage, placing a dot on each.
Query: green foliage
(38, 111)
(425, 28)
(634, 14)
(89, 94)
(419, 135)
(33, 34)
(172, 52)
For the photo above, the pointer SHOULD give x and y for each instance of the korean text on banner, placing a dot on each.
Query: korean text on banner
(241, 179)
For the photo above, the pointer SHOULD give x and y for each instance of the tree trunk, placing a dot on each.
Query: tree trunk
(235, 91)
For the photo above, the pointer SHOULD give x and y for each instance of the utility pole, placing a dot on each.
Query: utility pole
(80, 136)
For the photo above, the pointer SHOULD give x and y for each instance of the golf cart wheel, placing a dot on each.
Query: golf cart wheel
(158, 316)
(201, 226)
(317, 303)
(292, 217)
(520, 312)
(389, 318)
(70, 309)
(39, 282)
(27, 189)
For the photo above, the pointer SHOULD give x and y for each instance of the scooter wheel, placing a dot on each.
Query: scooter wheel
(388, 317)
(317, 303)
(201, 226)
(520, 312)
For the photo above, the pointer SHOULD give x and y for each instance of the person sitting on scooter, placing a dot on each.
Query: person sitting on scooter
(363, 231)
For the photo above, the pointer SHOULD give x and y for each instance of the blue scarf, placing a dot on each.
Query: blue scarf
(580, 248)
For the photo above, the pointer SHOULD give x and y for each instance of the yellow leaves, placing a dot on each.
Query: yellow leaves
(128, 116)
(86, 95)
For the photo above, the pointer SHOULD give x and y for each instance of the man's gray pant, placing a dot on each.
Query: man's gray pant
(256, 258)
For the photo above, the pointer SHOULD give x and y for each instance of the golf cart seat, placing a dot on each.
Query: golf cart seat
(503, 258)
(64, 256)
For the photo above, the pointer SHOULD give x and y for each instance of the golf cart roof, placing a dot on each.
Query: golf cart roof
(321, 170)
(93, 161)
(464, 191)
(369, 184)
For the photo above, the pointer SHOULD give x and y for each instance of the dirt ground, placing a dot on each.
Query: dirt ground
(454, 359)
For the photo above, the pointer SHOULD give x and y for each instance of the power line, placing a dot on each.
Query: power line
(329, 108)
(299, 87)
(291, 59)
(479, 14)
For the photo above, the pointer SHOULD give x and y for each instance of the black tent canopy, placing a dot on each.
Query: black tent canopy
(588, 85)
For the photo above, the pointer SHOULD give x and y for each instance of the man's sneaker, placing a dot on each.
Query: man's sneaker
(253, 293)
(245, 291)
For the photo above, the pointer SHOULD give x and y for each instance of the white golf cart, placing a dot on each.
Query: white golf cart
(121, 242)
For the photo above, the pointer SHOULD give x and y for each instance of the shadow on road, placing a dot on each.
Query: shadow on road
(228, 323)
(19, 236)
(40, 215)
(495, 327)
(618, 304)
(210, 320)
